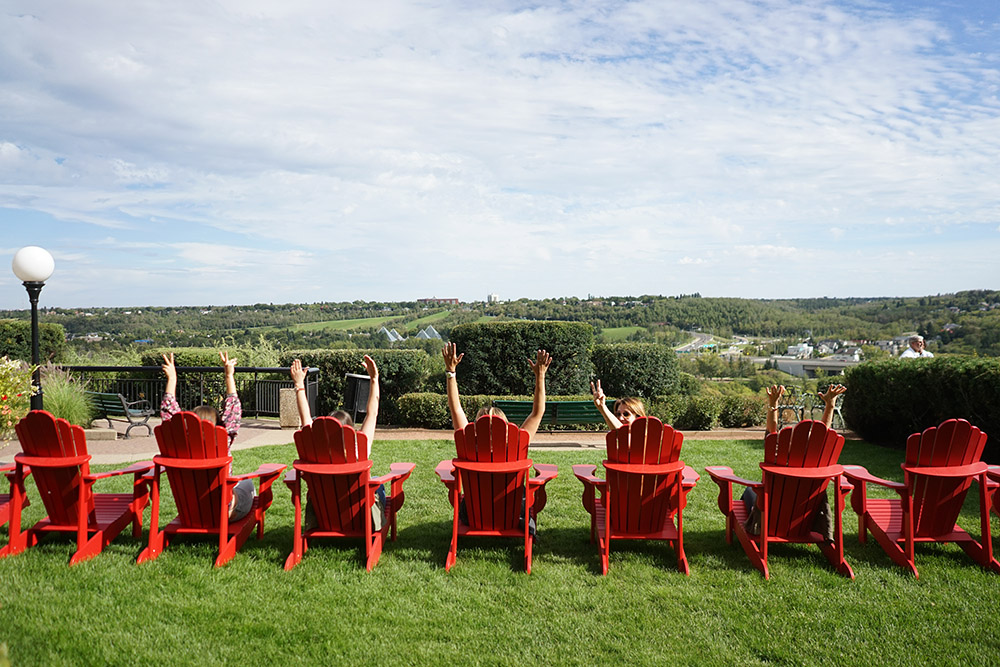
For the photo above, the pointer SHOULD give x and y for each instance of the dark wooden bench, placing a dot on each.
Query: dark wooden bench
(556, 412)
(137, 413)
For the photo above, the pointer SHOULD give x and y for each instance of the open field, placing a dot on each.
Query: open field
(615, 334)
(336, 325)
(487, 610)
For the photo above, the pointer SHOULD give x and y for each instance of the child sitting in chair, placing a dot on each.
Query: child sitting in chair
(625, 410)
(367, 427)
(229, 419)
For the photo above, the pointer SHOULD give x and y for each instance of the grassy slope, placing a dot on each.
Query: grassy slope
(615, 334)
(337, 325)
(486, 610)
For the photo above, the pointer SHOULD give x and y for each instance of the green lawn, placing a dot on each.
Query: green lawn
(422, 322)
(615, 334)
(179, 609)
(337, 325)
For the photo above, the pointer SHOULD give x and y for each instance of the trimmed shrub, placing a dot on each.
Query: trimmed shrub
(739, 411)
(636, 369)
(888, 400)
(15, 341)
(497, 354)
(424, 410)
(701, 412)
(400, 372)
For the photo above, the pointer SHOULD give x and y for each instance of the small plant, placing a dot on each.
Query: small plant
(16, 391)
(65, 398)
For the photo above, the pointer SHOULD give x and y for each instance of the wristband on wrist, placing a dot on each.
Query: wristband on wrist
(300, 389)
(449, 374)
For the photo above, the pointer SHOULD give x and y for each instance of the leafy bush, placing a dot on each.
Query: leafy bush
(15, 340)
(636, 369)
(739, 411)
(888, 400)
(424, 410)
(497, 354)
(65, 398)
(697, 413)
(400, 372)
(16, 391)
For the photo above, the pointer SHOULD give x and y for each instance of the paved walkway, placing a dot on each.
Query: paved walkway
(105, 447)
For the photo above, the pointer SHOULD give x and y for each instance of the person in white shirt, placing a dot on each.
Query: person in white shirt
(916, 349)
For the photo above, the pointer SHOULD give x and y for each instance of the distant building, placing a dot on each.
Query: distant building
(492, 298)
(392, 336)
(800, 351)
(430, 333)
(439, 302)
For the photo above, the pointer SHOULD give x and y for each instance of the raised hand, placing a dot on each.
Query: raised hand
(298, 373)
(168, 367)
(832, 392)
(370, 366)
(542, 361)
(451, 357)
(774, 394)
(598, 393)
(229, 364)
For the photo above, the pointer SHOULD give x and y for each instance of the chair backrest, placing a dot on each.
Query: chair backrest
(808, 444)
(641, 502)
(492, 500)
(336, 498)
(937, 501)
(42, 435)
(197, 492)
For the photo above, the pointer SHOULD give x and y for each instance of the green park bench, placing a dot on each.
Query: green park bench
(107, 405)
(556, 412)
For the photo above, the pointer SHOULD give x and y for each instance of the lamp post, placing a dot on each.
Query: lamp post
(34, 265)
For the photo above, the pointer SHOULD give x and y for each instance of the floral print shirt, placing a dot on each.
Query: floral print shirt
(232, 413)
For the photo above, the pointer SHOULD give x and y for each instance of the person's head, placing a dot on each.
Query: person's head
(209, 414)
(343, 417)
(917, 343)
(491, 412)
(628, 409)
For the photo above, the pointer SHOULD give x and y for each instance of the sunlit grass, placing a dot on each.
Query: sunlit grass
(487, 610)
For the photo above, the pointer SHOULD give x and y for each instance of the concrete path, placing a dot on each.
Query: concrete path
(110, 446)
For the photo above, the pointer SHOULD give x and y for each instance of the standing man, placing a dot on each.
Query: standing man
(916, 349)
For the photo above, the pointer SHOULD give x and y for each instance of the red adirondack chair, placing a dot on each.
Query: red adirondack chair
(5, 497)
(939, 468)
(56, 453)
(493, 484)
(333, 462)
(195, 455)
(799, 462)
(993, 485)
(645, 490)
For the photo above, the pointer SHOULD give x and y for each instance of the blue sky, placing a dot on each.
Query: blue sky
(242, 151)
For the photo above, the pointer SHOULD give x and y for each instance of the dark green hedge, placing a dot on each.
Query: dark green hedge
(400, 372)
(888, 400)
(430, 410)
(15, 341)
(497, 354)
(636, 369)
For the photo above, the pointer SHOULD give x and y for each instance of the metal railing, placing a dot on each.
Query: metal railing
(258, 388)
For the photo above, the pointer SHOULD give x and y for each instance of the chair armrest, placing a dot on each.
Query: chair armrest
(724, 475)
(546, 472)
(446, 471)
(977, 468)
(142, 404)
(4, 467)
(689, 477)
(139, 468)
(51, 461)
(399, 471)
(586, 474)
(291, 475)
(488, 467)
(804, 473)
(859, 475)
(265, 470)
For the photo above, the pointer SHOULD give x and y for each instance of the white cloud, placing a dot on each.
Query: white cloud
(536, 150)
